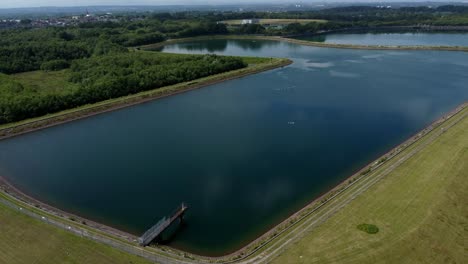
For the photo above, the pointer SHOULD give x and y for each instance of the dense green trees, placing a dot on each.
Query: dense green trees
(22, 57)
(251, 29)
(55, 65)
(206, 28)
(101, 66)
(103, 47)
(354, 17)
(103, 77)
(8, 86)
(111, 76)
(362, 14)
(27, 49)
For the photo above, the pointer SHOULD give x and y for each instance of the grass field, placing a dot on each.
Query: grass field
(420, 209)
(276, 21)
(42, 81)
(27, 240)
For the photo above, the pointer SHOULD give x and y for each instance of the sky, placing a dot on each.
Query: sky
(38, 3)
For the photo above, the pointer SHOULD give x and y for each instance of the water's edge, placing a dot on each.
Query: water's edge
(263, 240)
(308, 43)
(131, 100)
(260, 240)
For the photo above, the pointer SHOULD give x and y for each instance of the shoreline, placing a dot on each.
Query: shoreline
(307, 43)
(271, 233)
(39, 123)
(252, 247)
(15, 193)
(348, 181)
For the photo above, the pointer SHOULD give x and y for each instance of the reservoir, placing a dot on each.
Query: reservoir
(244, 154)
(394, 39)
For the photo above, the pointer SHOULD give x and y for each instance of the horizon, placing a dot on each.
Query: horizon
(91, 3)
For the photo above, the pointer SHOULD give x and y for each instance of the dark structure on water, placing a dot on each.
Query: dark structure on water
(162, 224)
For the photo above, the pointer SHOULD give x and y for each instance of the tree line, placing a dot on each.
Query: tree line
(102, 67)
(109, 76)
(27, 49)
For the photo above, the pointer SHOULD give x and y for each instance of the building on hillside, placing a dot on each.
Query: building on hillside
(250, 21)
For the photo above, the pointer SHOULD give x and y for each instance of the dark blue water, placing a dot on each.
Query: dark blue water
(244, 153)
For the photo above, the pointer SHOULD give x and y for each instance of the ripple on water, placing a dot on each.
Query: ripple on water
(316, 64)
(354, 61)
(344, 74)
(373, 56)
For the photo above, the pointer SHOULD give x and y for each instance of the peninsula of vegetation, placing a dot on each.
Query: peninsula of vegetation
(45, 98)
(77, 62)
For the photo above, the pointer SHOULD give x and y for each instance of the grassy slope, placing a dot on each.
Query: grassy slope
(420, 209)
(42, 81)
(27, 240)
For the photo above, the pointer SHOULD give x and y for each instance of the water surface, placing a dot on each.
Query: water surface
(244, 153)
(394, 39)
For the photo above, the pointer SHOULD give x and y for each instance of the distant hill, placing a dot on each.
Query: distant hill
(31, 12)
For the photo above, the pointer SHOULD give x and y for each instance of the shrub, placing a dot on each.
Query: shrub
(364, 172)
(55, 65)
(368, 228)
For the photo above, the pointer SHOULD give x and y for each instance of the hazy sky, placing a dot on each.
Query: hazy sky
(36, 3)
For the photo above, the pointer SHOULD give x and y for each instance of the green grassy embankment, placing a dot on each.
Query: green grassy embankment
(45, 82)
(419, 208)
(27, 240)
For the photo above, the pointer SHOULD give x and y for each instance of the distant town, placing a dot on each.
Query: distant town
(39, 17)
(59, 21)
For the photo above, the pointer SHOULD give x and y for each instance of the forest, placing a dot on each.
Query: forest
(353, 17)
(104, 77)
(27, 49)
(94, 61)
